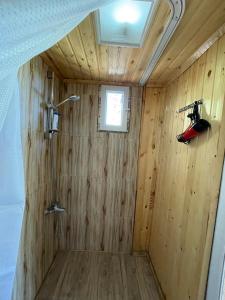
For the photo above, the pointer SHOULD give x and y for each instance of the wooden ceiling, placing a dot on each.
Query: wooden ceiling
(202, 23)
(79, 56)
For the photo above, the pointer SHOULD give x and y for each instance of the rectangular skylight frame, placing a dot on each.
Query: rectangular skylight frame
(150, 18)
(125, 112)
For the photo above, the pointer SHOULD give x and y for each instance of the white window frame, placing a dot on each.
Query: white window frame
(102, 126)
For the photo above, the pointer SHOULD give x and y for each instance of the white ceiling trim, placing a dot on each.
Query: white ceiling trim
(177, 11)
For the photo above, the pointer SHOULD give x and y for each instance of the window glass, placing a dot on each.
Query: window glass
(114, 108)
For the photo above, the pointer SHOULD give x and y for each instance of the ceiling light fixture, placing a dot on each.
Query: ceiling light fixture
(125, 23)
(127, 12)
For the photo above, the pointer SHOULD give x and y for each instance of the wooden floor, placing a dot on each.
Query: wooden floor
(77, 275)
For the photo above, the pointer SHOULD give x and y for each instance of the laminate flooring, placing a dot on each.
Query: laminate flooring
(80, 275)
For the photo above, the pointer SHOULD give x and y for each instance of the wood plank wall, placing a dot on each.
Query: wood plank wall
(38, 244)
(97, 175)
(178, 185)
(151, 124)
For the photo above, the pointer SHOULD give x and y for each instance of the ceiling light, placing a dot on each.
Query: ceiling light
(124, 23)
(127, 13)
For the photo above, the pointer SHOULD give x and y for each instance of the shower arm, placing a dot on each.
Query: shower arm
(55, 106)
(61, 103)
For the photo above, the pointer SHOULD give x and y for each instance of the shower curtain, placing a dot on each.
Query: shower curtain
(27, 28)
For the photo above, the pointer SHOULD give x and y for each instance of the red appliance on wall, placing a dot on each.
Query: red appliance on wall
(197, 125)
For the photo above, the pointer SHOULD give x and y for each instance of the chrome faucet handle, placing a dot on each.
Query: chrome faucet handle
(58, 208)
(54, 208)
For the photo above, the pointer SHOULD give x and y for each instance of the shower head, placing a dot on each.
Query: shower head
(73, 98)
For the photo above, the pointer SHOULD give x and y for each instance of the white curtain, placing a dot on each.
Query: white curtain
(27, 28)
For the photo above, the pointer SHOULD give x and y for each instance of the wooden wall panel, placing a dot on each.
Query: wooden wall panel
(38, 244)
(151, 124)
(97, 175)
(187, 177)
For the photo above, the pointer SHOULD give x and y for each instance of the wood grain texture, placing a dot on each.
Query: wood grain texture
(200, 21)
(38, 243)
(99, 276)
(79, 55)
(151, 126)
(97, 175)
(187, 178)
(99, 82)
(195, 56)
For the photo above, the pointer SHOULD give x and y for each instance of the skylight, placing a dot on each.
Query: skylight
(124, 23)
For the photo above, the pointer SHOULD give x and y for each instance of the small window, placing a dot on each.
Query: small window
(114, 109)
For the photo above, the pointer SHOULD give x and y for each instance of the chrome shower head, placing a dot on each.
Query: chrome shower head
(73, 98)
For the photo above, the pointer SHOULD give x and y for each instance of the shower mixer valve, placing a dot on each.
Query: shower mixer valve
(53, 115)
